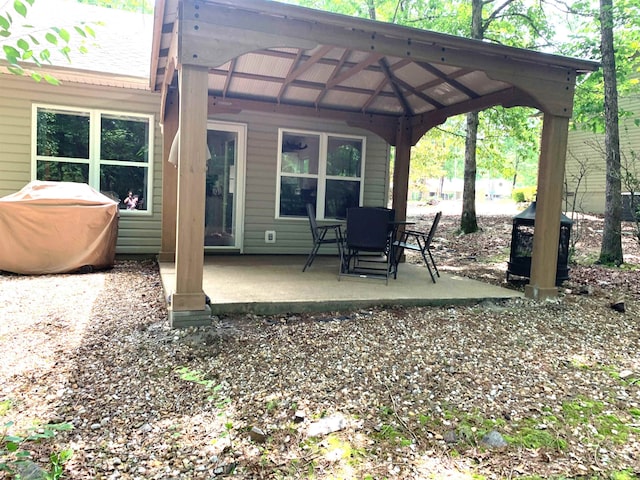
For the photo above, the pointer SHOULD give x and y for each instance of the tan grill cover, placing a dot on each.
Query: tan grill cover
(57, 227)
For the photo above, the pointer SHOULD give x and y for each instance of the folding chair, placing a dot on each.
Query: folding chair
(367, 248)
(419, 242)
(319, 234)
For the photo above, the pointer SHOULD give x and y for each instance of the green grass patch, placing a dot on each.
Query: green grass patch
(533, 437)
(601, 423)
(391, 434)
(5, 406)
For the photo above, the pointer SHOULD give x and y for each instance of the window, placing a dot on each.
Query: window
(319, 168)
(110, 151)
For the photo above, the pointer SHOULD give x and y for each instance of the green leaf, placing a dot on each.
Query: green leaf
(51, 80)
(15, 69)
(4, 22)
(36, 76)
(34, 40)
(65, 455)
(23, 44)
(80, 31)
(20, 7)
(64, 34)
(60, 427)
(12, 446)
(51, 38)
(12, 55)
(90, 31)
(65, 51)
(45, 55)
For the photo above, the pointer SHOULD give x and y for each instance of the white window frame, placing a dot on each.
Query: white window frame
(94, 161)
(321, 176)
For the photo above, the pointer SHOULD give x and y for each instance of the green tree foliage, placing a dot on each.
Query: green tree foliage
(27, 49)
(437, 156)
(582, 20)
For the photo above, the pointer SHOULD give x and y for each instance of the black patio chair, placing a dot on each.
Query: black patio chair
(419, 242)
(319, 234)
(367, 249)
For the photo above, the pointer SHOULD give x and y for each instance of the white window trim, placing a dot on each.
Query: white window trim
(321, 176)
(94, 161)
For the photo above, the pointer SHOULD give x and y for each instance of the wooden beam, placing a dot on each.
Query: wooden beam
(375, 94)
(300, 69)
(291, 69)
(298, 83)
(509, 97)
(448, 79)
(353, 70)
(227, 80)
(169, 72)
(188, 295)
(374, 123)
(544, 260)
(169, 180)
(408, 111)
(158, 17)
(414, 91)
(336, 70)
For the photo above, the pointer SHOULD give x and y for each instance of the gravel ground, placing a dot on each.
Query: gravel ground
(497, 390)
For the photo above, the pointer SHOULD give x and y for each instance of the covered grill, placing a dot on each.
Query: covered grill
(522, 245)
(57, 227)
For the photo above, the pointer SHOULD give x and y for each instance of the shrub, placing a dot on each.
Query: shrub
(524, 194)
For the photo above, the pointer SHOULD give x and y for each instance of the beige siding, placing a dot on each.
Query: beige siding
(139, 234)
(292, 235)
(586, 160)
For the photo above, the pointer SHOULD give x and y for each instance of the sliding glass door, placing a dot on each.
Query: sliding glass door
(225, 186)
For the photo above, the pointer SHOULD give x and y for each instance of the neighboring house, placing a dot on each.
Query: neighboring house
(586, 168)
(100, 126)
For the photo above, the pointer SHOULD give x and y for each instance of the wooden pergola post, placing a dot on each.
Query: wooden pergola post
(544, 259)
(401, 169)
(169, 181)
(188, 298)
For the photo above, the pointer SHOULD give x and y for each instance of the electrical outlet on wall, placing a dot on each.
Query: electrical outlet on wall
(270, 236)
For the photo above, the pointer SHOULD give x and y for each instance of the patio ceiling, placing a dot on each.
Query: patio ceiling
(263, 55)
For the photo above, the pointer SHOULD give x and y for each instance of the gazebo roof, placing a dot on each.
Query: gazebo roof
(264, 55)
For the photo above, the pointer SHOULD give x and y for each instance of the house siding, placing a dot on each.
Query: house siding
(585, 152)
(141, 234)
(292, 235)
(137, 235)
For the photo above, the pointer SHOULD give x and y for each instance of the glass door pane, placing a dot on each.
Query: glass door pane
(221, 189)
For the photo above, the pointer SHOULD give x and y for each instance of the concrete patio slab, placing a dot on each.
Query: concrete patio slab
(273, 284)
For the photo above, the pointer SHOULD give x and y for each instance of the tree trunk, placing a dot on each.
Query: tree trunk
(372, 9)
(611, 248)
(468, 220)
